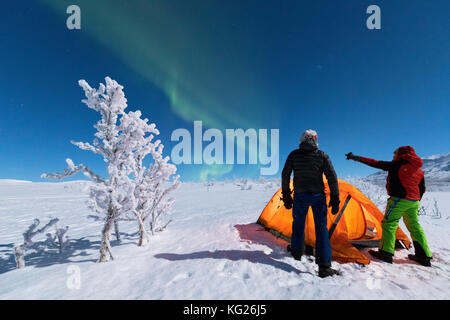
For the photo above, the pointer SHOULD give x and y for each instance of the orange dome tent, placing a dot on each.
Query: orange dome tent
(359, 223)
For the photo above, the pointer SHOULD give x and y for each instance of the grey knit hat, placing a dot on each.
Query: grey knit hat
(309, 137)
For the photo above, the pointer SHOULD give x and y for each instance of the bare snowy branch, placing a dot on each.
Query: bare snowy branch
(71, 170)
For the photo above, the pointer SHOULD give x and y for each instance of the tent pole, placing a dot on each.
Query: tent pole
(333, 226)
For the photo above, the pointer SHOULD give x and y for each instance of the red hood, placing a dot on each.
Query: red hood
(407, 153)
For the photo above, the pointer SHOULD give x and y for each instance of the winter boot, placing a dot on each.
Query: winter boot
(297, 255)
(425, 261)
(327, 272)
(382, 255)
(420, 256)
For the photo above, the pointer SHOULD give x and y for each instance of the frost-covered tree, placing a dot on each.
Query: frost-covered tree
(150, 186)
(123, 140)
(106, 194)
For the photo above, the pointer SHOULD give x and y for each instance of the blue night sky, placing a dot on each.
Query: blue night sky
(288, 65)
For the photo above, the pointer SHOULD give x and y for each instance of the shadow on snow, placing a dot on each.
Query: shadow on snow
(253, 234)
(77, 248)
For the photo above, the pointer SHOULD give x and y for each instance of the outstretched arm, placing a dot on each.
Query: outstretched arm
(383, 165)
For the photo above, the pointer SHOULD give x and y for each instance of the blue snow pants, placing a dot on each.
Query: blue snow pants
(318, 203)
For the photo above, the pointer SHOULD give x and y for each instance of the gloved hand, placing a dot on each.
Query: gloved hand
(351, 156)
(334, 204)
(287, 199)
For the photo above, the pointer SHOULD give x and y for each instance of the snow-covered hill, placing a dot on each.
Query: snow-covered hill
(436, 169)
(3, 181)
(212, 250)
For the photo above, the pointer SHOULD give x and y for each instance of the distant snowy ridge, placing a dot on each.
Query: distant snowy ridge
(436, 169)
(437, 156)
(13, 181)
(72, 182)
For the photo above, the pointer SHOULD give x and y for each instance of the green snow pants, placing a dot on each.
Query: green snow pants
(397, 208)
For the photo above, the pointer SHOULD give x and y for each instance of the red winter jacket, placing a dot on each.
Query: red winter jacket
(405, 179)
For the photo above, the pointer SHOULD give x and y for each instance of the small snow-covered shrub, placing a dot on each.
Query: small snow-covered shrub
(437, 214)
(269, 184)
(434, 213)
(58, 240)
(209, 184)
(53, 241)
(243, 184)
(422, 211)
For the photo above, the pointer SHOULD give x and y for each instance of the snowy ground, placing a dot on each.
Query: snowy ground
(212, 250)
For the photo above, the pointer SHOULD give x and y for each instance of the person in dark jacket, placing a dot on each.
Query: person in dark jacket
(309, 164)
(405, 186)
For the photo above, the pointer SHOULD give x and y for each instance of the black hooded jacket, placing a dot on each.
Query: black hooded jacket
(309, 164)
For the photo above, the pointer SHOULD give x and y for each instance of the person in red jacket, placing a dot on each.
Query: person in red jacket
(405, 186)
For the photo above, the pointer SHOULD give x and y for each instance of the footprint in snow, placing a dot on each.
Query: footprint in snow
(178, 277)
(220, 266)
